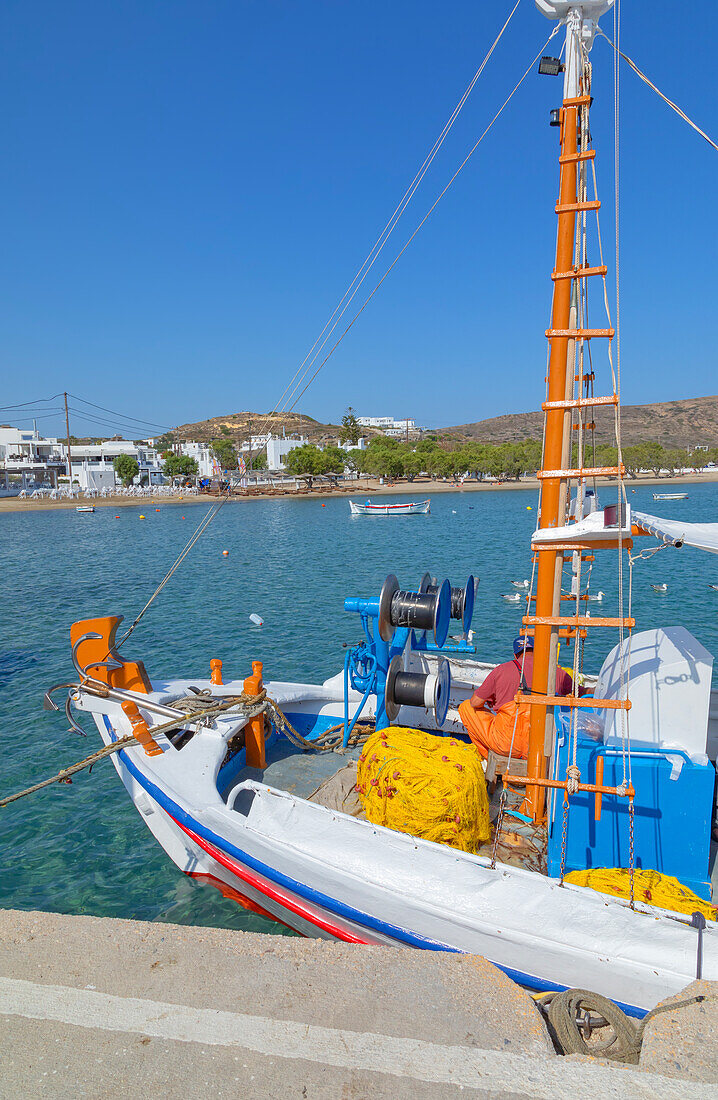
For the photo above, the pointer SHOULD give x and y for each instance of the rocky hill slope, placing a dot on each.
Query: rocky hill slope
(687, 423)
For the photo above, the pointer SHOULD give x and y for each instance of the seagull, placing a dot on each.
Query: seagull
(511, 597)
(659, 587)
(520, 584)
(597, 597)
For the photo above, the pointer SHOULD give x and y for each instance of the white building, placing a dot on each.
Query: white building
(202, 454)
(27, 461)
(278, 449)
(379, 422)
(390, 426)
(93, 465)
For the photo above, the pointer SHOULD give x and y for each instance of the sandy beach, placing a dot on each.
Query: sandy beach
(420, 488)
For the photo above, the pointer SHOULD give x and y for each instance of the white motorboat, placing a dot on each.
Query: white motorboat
(670, 496)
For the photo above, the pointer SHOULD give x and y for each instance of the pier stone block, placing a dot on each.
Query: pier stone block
(683, 1042)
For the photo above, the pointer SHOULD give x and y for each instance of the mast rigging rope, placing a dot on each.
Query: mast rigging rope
(642, 76)
(425, 218)
(349, 294)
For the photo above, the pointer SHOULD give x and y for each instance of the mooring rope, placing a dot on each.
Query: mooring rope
(253, 705)
(574, 1014)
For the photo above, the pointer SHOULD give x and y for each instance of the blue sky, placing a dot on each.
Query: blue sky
(187, 189)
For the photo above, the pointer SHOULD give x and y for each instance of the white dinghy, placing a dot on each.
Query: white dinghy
(410, 508)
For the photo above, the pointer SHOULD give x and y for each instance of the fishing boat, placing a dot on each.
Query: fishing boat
(670, 496)
(411, 508)
(231, 779)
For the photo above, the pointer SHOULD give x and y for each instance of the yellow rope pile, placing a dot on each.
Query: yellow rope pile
(427, 786)
(650, 886)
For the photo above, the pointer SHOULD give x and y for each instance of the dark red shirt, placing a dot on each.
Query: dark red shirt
(502, 683)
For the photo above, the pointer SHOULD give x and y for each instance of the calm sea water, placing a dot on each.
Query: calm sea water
(83, 848)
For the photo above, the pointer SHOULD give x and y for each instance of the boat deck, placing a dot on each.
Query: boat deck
(299, 773)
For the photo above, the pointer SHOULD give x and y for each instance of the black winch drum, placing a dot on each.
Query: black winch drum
(462, 600)
(415, 610)
(428, 690)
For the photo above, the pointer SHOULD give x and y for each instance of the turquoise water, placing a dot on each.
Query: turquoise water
(83, 848)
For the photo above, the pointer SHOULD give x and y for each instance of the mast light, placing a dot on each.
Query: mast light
(550, 66)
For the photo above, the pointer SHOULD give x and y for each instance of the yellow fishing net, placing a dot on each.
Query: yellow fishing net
(428, 786)
(650, 886)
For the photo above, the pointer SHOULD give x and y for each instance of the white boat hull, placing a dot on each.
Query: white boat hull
(327, 874)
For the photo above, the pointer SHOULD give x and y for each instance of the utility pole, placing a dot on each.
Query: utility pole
(69, 456)
(250, 447)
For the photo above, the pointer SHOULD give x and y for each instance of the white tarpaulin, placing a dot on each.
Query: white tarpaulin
(704, 536)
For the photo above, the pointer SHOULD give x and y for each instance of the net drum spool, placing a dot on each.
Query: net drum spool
(416, 610)
(462, 601)
(429, 690)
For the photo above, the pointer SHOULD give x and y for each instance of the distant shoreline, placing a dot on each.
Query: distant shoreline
(420, 489)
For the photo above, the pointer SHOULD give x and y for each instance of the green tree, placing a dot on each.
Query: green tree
(225, 453)
(259, 461)
(334, 459)
(306, 459)
(654, 457)
(127, 468)
(414, 464)
(350, 427)
(355, 460)
(180, 466)
(166, 441)
(676, 459)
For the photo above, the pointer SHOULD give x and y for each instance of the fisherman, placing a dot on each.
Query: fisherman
(492, 716)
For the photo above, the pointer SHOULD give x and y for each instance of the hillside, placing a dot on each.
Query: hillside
(687, 423)
(238, 427)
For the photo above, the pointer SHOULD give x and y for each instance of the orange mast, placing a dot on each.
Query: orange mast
(557, 428)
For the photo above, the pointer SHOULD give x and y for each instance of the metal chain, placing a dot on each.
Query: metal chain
(564, 834)
(498, 828)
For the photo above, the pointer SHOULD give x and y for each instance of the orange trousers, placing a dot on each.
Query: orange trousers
(493, 732)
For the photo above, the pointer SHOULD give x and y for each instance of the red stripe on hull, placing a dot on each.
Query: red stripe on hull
(291, 904)
(229, 892)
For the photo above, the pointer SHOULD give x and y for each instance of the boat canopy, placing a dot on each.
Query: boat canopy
(703, 536)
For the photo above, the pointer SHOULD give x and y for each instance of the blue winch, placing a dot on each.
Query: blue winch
(395, 625)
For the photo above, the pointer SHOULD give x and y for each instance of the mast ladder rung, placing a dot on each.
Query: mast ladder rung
(565, 635)
(566, 596)
(576, 620)
(573, 701)
(590, 377)
(579, 333)
(571, 158)
(577, 207)
(586, 471)
(587, 427)
(580, 403)
(578, 101)
(579, 273)
(592, 788)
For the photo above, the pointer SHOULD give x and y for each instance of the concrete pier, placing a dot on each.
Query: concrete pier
(95, 1007)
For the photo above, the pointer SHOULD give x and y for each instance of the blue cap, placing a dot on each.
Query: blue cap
(521, 643)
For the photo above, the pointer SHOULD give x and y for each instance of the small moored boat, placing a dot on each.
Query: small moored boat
(84, 508)
(411, 508)
(670, 496)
